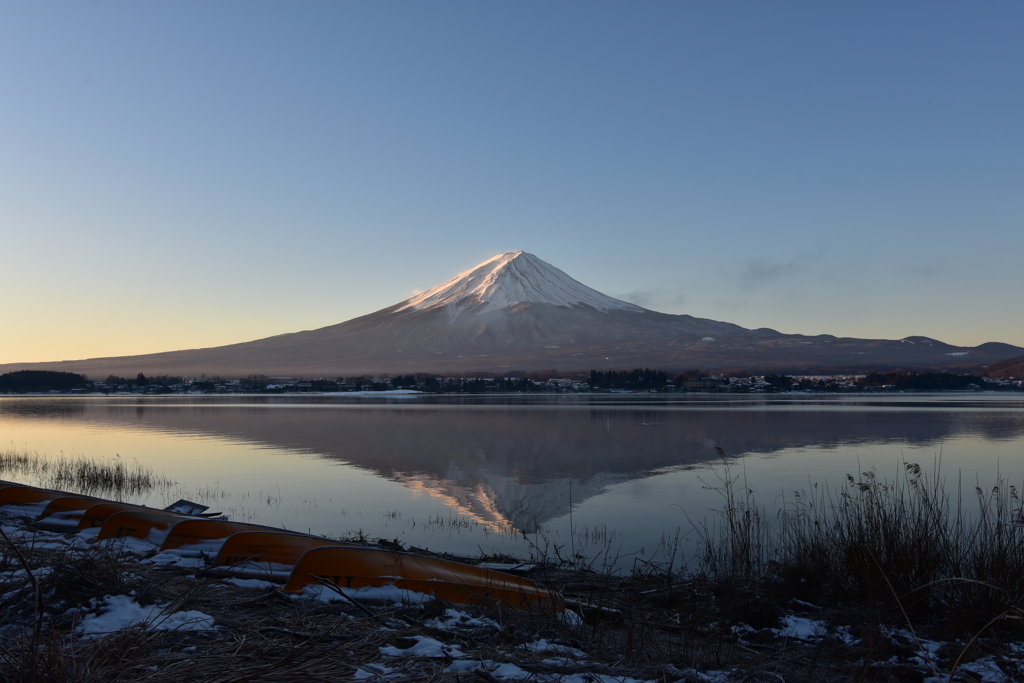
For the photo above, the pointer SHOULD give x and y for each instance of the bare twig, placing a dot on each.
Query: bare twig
(337, 589)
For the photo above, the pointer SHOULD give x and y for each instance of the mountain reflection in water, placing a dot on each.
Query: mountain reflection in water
(508, 463)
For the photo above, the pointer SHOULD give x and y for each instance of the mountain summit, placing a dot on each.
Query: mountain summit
(516, 312)
(511, 278)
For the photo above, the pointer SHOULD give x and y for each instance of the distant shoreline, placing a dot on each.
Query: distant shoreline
(421, 394)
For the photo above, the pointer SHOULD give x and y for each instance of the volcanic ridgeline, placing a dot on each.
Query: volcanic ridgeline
(517, 312)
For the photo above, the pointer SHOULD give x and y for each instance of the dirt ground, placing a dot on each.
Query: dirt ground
(651, 627)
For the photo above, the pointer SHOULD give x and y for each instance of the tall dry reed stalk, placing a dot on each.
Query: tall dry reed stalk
(737, 542)
(78, 474)
(913, 542)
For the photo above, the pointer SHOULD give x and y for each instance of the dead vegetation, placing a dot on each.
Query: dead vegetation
(878, 582)
(650, 625)
(115, 479)
(914, 547)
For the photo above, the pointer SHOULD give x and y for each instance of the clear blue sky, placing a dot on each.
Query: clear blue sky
(185, 174)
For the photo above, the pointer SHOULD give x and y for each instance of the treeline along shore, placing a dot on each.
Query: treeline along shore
(545, 381)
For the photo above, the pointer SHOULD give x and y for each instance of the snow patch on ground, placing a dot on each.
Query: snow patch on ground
(116, 612)
(988, 670)
(810, 630)
(424, 646)
(267, 571)
(39, 573)
(503, 671)
(129, 544)
(170, 557)
(26, 510)
(374, 671)
(42, 539)
(570, 618)
(598, 678)
(193, 555)
(703, 677)
(251, 583)
(453, 619)
(800, 628)
(543, 645)
(388, 593)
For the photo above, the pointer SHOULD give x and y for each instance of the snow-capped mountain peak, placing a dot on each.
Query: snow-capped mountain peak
(512, 278)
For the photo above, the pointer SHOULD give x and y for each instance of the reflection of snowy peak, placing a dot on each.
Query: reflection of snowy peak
(502, 462)
(509, 279)
(507, 503)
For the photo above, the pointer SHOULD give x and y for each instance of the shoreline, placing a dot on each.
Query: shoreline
(538, 395)
(118, 608)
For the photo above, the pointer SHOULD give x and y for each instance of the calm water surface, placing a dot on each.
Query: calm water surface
(467, 474)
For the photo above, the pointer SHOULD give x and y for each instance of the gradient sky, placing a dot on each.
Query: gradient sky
(178, 175)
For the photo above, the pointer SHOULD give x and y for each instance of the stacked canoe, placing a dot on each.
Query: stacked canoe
(248, 551)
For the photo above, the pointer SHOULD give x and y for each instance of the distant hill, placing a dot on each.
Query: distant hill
(517, 312)
(1005, 369)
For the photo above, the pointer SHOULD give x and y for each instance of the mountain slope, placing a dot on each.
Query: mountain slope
(516, 312)
(1006, 369)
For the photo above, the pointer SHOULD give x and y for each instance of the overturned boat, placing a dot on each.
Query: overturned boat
(295, 562)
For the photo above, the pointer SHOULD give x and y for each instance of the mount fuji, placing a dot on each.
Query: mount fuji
(517, 312)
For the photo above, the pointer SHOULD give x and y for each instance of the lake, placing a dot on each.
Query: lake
(471, 474)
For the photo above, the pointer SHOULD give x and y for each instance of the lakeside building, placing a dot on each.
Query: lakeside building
(636, 381)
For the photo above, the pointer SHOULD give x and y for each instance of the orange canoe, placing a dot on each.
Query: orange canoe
(356, 567)
(96, 515)
(65, 512)
(200, 531)
(152, 526)
(24, 495)
(268, 555)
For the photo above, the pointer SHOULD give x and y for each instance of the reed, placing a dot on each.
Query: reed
(115, 478)
(915, 543)
(737, 541)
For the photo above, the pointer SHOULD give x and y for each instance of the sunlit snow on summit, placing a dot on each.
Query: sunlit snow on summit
(515, 312)
(511, 278)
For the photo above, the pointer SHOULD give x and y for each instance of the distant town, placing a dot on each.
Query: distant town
(552, 382)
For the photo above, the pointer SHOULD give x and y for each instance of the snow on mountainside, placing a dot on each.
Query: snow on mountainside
(516, 312)
(512, 278)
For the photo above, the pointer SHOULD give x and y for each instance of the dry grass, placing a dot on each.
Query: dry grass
(113, 479)
(645, 627)
(881, 568)
(909, 546)
(907, 543)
